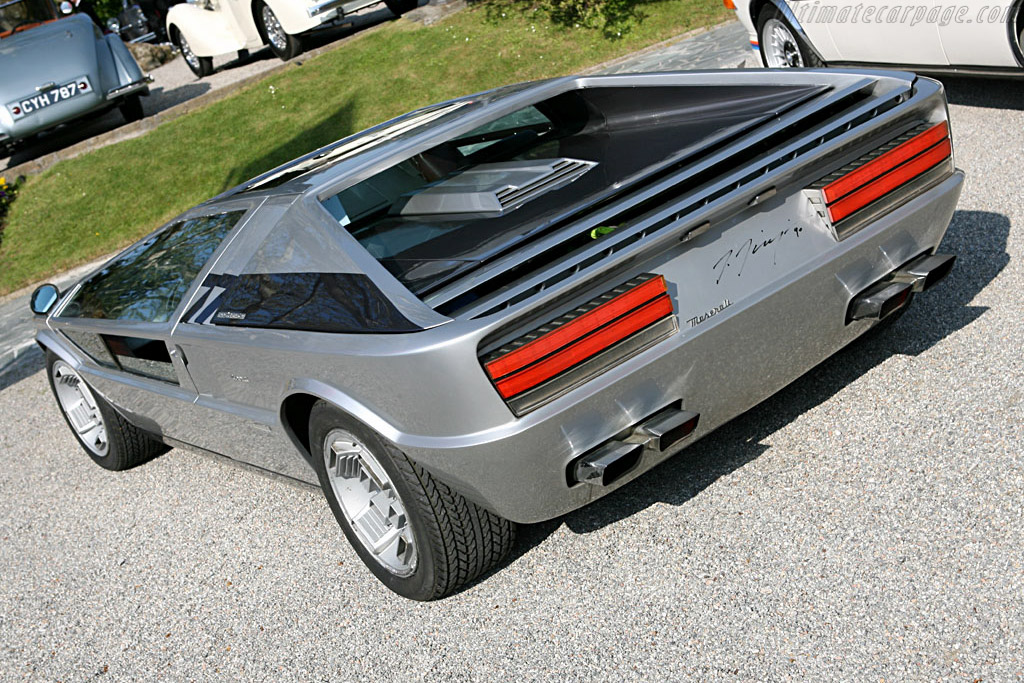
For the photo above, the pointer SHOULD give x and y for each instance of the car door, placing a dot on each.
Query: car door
(982, 34)
(122, 318)
(236, 409)
(875, 32)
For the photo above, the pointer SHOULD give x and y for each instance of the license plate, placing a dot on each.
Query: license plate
(49, 97)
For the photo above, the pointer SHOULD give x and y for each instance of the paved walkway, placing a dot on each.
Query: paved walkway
(724, 46)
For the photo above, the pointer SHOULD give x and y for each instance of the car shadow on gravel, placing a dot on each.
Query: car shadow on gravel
(994, 93)
(977, 237)
(161, 97)
(27, 363)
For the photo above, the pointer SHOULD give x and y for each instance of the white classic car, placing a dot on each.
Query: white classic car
(974, 37)
(203, 29)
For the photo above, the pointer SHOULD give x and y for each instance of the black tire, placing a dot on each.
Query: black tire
(797, 52)
(126, 445)
(284, 45)
(201, 66)
(454, 540)
(400, 7)
(131, 109)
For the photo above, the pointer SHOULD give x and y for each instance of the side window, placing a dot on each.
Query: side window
(146, 282)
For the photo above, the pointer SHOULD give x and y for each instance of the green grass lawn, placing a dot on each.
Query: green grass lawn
(92, 205)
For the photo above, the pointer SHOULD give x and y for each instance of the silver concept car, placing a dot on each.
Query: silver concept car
(56, 69)
(497, 309)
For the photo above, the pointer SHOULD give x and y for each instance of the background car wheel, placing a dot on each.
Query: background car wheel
(201, 66)
(420, 538)
(111, 441)
(400, 7)
(282, 44)
(131, 108)
(780, 44)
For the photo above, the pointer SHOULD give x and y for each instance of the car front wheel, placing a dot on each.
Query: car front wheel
(780, 45)
(111, 441)
(420, 538)
(201, 66)
(282, 44)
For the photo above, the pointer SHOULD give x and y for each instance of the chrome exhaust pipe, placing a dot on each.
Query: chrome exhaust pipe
(924, 272)
(607, 463)
(879, 301)
(667, 428)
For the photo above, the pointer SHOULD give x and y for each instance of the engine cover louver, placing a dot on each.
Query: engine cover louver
(562, 354)
(495, 188)
(912, 161)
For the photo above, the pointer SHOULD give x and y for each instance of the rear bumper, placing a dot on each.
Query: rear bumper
(718, 370)
(54, 115)
(140, 86)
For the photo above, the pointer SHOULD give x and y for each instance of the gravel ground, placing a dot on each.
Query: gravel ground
(864, 524)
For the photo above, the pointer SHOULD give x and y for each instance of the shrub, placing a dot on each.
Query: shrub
(7, 194)
(614, 18)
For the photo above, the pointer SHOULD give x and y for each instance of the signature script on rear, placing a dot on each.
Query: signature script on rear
(738, 257)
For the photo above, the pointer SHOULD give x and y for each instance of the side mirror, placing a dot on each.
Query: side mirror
(44, 298)
(66, 7)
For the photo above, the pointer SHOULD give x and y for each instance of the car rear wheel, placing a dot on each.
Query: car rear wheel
(420, 538)
(780, 45)
(201, 66)
(131, 109)
(400, 7)
(284, 45)
(111, 441)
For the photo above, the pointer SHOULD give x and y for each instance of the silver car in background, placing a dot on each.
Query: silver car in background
(498, 309)
(59, 68)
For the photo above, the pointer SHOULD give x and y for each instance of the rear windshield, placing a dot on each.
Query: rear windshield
(438, 214)
(146, 282)
(417, 226)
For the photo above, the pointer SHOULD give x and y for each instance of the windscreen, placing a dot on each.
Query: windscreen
(24, 14)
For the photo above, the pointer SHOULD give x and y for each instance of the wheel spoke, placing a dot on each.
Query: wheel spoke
(95, 435)
(370, 503)
(80, 408)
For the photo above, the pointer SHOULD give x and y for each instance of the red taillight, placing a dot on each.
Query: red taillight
(729, 4)
(16, 110)
(889, 182)
(564, 347)
(876, 175)
(575, 328)
(585, 348)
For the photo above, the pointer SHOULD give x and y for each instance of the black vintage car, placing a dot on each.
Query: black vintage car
(141, 21)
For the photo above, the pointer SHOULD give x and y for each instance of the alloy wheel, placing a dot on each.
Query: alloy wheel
(81, 408)
(370, 502)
